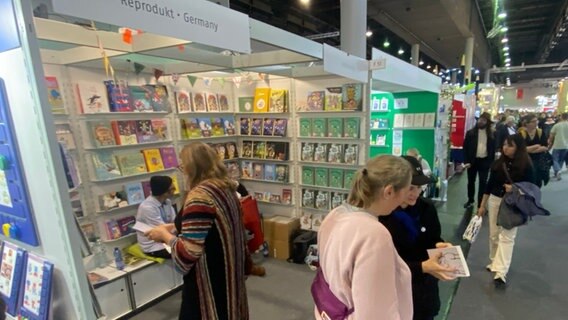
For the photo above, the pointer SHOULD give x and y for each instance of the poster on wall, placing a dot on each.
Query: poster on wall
(401, 103)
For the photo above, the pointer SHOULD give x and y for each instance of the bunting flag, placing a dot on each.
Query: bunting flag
(266, 79)
(237, 81)
(181, 47)
(192, 80)
(138, 67)
(158, 73)
(207, 81)
(221, 82)
(261, 76)
(175, 78)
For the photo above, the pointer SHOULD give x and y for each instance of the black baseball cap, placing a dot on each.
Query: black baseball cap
(418, 177)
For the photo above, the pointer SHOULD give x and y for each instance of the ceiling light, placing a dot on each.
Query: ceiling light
(506, 54)
(476, 71)
(400, 51)
(428, 66)
(507, 59)
(369, 33)
(305, 2)
(459, 72)
(504, 29)
(502, 15)
(448, 78)
(421, 62)
(504, 40)
(386, 44)
(507, 65)
(506, 48)
(441, 73)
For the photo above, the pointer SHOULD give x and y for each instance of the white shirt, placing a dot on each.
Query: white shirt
(153, 213)
(481, 144)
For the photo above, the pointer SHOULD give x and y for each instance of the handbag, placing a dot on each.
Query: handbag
(329, 307)
(472, 230)
(509, 216)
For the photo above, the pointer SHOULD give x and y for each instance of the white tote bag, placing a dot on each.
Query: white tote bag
(472, 229)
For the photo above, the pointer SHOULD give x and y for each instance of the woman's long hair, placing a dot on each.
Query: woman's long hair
(200, 163)
(521, 159)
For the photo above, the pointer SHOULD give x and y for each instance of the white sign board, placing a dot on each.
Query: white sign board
(401, 103)
(193, 20)
(378, 64)
(342, 64)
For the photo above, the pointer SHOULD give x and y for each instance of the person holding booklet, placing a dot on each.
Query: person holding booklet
(415, 228)
(156, 210)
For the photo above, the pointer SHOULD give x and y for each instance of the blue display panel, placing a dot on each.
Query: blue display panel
(16, 217)
(12, 269)
(36, 295)
(9, 38)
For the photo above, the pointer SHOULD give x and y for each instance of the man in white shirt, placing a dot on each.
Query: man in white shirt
(559, 142)
(479, 153)
(156, 210)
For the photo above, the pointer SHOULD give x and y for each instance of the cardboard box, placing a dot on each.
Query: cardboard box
(277, 233)
(284, 227)
(281, 250)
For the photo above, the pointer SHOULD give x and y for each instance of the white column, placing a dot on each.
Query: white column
(415, 54)
(353, 27)
(468, 59)
(487, 76)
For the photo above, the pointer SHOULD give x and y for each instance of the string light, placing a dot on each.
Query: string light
(386, 44)
(369, 33)
(400, 52)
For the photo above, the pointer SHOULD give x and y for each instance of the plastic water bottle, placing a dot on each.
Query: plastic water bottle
(99, 252)
(118, 259)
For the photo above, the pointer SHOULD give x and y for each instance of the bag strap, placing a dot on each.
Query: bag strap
(507, 174)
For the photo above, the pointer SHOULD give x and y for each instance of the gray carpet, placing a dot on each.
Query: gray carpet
(537, 283)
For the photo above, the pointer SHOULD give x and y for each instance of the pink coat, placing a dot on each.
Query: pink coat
(362, 267)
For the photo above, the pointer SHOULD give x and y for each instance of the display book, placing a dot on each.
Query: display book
(348, 97)
(25, 283)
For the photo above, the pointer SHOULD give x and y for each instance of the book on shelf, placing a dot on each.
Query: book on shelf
(375, 103)
(125, 225)
(105, 165)
(217, 128)
(275, 198)
(429, 119)
(337, 199)
(246, 170)
(308, 198)
(270, 172)
(280, 127)
(76, 205)
(336, 178)
(118, 96)
(451, 257)
(335, 127)
(320, 152)
(232, 151)
(317, 221)
(205, 127)
(234, 170)
(381, 140)
(153, 160)
(316, 100)
(169, 157)
(319, 127)
(351, 127)
(134, 193)
(221, 150)
(262, 100)
(256, 127)
(281, 150)
(144, 133)
(89, 231)
(113, 200)
(351, 155)
(112, 229)
(257, 171)
(183, 101)
(160, 129)
(308, 174)
(306, 221)
(398, 120)
(259, 196)
(54, 96)
(418, 120)
(193, 128)
(268, 127)
(93, 97)
(305, 127)
(199, 102)
(223, 101)
(247, 149)
(65, 135)
(321, 177)
(383, 123)
(308, 149)
(348, 176)
(212, 103)
(102, 133)
(124, 132)
(245, 104)
(335, 153)
(282, 173)
(286, 196)
(131, 163)
(322, 200)
(71, 172)
(397, 136)
(175, 183)
(146, 188)
(245, 125)
(229, 125)
(352, 97)
(333, 98)
(408, 120)
(160, 98)
(141, 98)
(271, 150)
(259, 149)
(278, 101)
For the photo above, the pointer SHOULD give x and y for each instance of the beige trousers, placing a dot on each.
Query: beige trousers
(501, 240)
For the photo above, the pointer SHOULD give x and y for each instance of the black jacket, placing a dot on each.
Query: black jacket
(412, 249)
(470, 146)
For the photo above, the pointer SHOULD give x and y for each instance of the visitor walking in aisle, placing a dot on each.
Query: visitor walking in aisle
(537, 147)
(503, 131)
(479, 153)
(210, 249)
(361, 275)
(415, 228)
(515, 163)
(157, 210)
(558, 141)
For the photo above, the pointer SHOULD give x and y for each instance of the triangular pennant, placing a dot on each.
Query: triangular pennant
(192, 80)
(127, 36)
(261, 76)
(175, 78)
(221, 82)
(237, 81)
(106, 64)
(181, 47)
(138, 67)
(158, 73)
(207, 81)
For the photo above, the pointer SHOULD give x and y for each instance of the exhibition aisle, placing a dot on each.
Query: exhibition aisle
(537, 284)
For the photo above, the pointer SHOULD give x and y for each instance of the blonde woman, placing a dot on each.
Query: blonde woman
(359, 265)
(210, 248)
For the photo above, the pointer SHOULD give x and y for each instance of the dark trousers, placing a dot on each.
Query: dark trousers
(164, 254)
(480, 167)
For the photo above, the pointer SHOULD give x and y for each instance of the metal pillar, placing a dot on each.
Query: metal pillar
(415, 54)
(353, 27)
(468, 59)
(487, 76)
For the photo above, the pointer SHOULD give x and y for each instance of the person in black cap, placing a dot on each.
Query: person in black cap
(156, 210)
(415, 228)
(479, 154)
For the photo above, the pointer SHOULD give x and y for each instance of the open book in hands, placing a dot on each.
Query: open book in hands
(452, 257)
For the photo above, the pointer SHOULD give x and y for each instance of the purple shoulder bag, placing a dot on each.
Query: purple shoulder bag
(327, 304)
